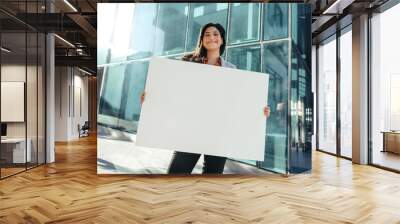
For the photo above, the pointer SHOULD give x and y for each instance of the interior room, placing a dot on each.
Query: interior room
(22, 101)
(70, 106)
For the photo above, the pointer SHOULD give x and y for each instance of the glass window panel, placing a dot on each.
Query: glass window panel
(275, 21)
(201, 14)
(300, 113)
(303, 91)
(31, 101)
(110, 99)
(346, 94)
(385, 88)
(327, 96)
(300, 93)
(135, 79)
(41, 99)
(122, 33)
(13, 70)
(244, 24)
(105, 29)
(171, 28)
(301, 21)
(276, 66)
(141, 46)
(295, 103)
(246, 58)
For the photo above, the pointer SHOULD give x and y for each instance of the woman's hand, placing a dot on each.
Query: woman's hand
(267, 111)
(142, 98)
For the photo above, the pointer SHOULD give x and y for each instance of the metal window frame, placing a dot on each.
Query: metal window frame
(336, 39)
(338, 153)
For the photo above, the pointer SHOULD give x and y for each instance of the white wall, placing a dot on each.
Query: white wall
(61, 103)
(71, 87)
(12, 73)
(79, 117)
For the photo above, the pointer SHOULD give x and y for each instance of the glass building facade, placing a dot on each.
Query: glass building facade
(271, 38)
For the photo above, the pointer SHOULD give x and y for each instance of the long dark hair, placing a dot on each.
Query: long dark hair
(200, 50)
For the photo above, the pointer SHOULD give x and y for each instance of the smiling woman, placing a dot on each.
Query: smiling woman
(210, 47)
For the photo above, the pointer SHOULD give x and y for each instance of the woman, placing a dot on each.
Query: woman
(210, 47)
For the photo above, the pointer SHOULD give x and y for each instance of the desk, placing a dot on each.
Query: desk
(391, 141)
(15, 148)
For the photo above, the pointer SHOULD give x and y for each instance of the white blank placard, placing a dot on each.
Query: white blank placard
(204, 109)
(12, 101)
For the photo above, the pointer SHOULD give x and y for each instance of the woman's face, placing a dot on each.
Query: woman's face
(212, 39)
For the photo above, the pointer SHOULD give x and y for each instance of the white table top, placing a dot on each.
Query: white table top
(13, 140)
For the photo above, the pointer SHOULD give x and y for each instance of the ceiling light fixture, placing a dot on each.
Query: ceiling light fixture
(64, 40)
(86, 72)
(70, 5)
(337, 7)
(5, 50)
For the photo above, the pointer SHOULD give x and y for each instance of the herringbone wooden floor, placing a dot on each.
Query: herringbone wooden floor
(70, 191)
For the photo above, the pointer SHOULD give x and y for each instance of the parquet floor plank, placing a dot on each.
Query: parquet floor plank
(70, 191)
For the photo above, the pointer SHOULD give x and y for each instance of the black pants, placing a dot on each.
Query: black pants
(184, 162)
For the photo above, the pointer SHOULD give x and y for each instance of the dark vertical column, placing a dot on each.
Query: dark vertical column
(338, 74)
(369, 125)
(37, 90)
(26, 86)
(1, 164)
(317, 97)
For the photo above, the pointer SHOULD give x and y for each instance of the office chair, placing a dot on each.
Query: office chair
(84, 130)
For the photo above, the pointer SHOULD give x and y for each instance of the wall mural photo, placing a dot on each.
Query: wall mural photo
(204, 88)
